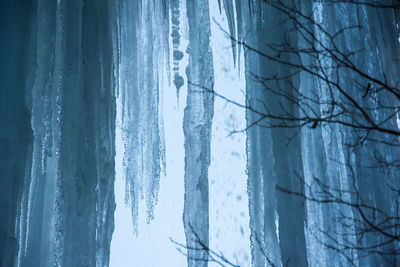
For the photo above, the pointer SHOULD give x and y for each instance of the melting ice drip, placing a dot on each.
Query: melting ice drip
(177, 54)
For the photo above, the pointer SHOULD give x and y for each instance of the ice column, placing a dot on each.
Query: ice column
(197, 130)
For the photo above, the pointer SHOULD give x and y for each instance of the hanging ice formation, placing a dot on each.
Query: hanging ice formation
(144, 55)
(61, 187)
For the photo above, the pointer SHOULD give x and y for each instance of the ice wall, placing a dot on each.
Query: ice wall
(283, 230)
(351, 165)
(63, 183)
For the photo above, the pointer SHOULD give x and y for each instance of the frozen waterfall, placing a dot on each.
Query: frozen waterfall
(199, 133)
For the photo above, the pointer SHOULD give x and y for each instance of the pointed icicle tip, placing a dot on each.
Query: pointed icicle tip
(230, 15)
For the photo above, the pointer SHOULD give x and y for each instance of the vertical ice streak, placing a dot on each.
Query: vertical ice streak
(286, 149)
(374, 60)
(261, 175)
(197, 130)
(327, 144)
(263, 238)
(40, 191)
(314, 165)
(286, 160)
(276, 219)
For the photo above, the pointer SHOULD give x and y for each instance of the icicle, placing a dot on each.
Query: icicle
(239, 26)
(144, 56)
(229, 11)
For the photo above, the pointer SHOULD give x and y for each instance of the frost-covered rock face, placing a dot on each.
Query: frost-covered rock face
(63, 62)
